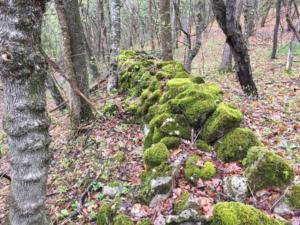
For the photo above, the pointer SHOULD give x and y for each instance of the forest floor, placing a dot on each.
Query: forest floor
(275, 117)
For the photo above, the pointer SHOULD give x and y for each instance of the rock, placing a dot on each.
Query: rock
(137, 211)
(189, 216)
(112, 191)
(235, 187)
(158, 199)
(283, 208)
(156, 155)
(267, 169)
(186, 201)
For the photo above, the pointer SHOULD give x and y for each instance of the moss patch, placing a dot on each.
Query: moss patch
(144, 222)
(122, 219)
(156, 155)
(105, 214)
(181, 202)
(202, 145)
(234, 146)
(225, 118)
(171, 142)
(294, 197)
(234, 213)
(120, 156)
(267, 169)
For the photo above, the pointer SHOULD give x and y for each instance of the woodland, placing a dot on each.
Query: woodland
(163, 112)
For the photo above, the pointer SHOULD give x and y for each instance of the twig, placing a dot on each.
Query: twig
(4, 175)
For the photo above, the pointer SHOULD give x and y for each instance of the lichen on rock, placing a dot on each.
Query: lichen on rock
(234, 146)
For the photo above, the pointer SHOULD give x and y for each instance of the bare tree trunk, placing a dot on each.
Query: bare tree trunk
(23, 71)
(92, 64)
(74, 59)
(166, 30)
(226, 62)
(292, 48)
(151, 24)
(55, 93)
(103, 44)
(250, 12)
(264, 11)
(225, 15)
(276, 29)
(115, 44)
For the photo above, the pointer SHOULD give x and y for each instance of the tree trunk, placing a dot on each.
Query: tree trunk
(250, 12)
(276, 29)
(115, 44)
(151, 24)
(23, 71)
(55, 93)
(226, 62)
(74, 60)
(166, 30)
(292, 48)
(225, 15)
(92, 64)
(264, 11)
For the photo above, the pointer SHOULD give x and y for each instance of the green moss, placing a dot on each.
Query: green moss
(267, 169)
(225, 118)
(294, 197)
(144, 222)
(145, 194)
(110, 108)
(234, 146)
(234, 213)
(158, 120)
(105, 214)
(156, 155)
(208, 171)
(122, 219)
(176, 70)
(179, 83)
(181, 202)
(120, 156)
(148, 140)
(157, 135)
(197, 80)
(193, 172)
(171, 142)
(202, 145)
(176, 126)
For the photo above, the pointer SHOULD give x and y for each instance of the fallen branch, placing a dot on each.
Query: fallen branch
(4, 175)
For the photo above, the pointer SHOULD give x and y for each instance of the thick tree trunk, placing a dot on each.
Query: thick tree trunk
(115, 44)
(55, 93)
(225, 15)
(226, 61)
(74, 59)
(23, 71)
(276, 29)
(166, 30)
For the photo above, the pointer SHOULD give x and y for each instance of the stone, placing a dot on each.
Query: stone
(112, 191)
(235, 188)
(189, 216)
(283, 208)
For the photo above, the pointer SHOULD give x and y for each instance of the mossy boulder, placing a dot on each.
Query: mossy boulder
(144, 222)
(234, 146)
(176, 70)
(225, 118)
(235, 213)
(146, 193)
(204, 146)
(294, 196)
(105, 214)
(181, 202)
(193, 172)
(267, 169)
(122, 219)
(171, 142)
(156, 155)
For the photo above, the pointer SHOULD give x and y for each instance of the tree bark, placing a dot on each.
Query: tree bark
(292, 48)
(55, 93)
(166, 30)
(74, 60)
(115, 44)
(264, 11)
(151, 24)
(276, 29)
(226, 62)
(250, 12)
(23, 71)
(225, 15)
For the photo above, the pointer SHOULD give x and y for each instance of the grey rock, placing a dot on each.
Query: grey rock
(112, 191)
(158, 199)
(161, 185)
(186, 217)
(283, 208)
(236, 188)
(192, 203)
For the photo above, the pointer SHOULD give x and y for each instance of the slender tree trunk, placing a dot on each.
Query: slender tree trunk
(225, 15)
(292, 48)
(115, 44)
(92, 64)
(55, 93)
(250, 12)
(226, 62)
(151, 24)
(166, 30)
(276, 29)
(74, 59)
(103, 39)
(264, 11)
(23, 71)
